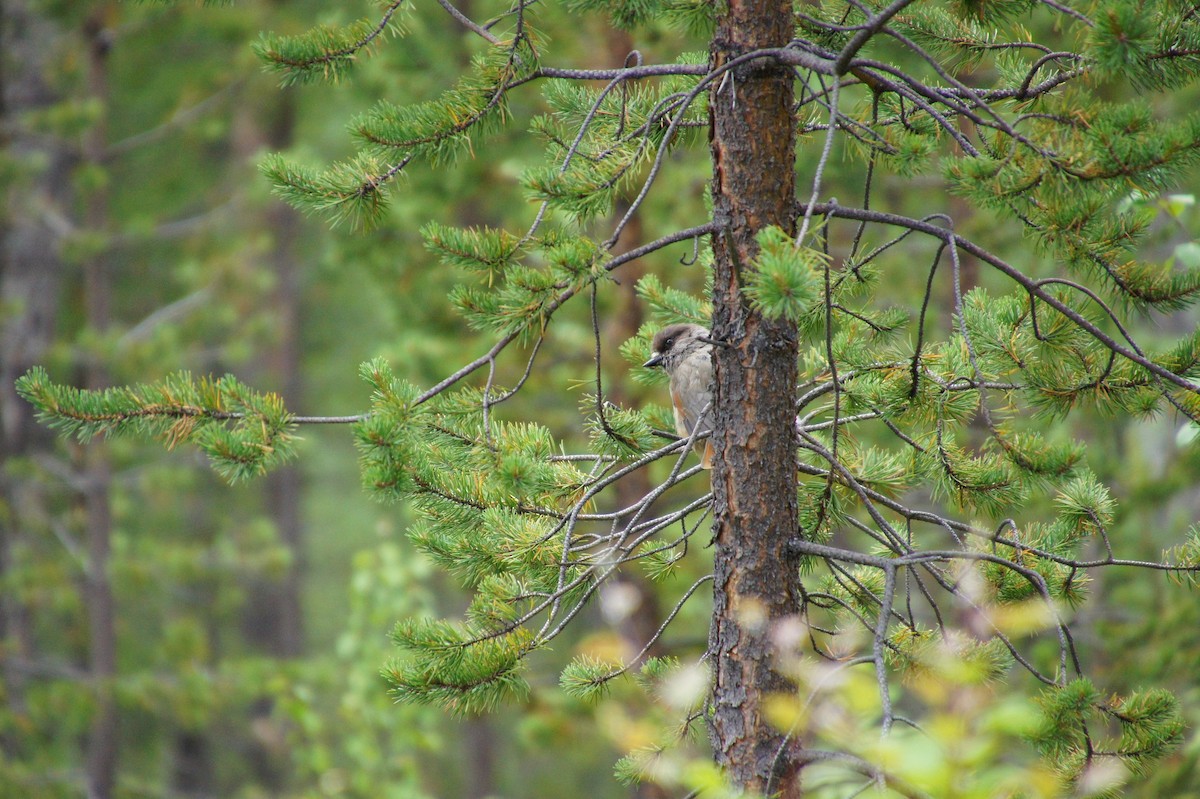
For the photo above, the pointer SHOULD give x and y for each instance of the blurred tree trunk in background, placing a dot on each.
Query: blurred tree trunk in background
(31, 270)
(273, 616)
(640, 615)
(95, 461)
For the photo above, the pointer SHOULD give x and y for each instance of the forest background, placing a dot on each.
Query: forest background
(249, 623)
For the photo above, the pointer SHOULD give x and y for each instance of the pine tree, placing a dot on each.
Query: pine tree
(901, 516)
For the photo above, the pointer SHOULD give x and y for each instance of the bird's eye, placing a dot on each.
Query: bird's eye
(667, 344)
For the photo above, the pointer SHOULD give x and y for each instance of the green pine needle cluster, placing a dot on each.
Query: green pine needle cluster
(350, 192)
(1149, 44)
(923, 654)
(1060, 366)
(486, 251)
(626, 127)
(786, 280)
(1185, 558)
(588, 678)
(992, 11)
(355, 191)
(456, 667)
(667, 304)
(620, 433)
(956, 37)
(244, 433)
(440, 129)
(325, 53)
(1062, 190)
(490, 500)
(1149, 723)
(695, 16)
(516, 298)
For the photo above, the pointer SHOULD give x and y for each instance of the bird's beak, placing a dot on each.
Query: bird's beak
(654, 361)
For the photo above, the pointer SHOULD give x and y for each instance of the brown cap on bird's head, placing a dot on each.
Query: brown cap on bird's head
(673, 340)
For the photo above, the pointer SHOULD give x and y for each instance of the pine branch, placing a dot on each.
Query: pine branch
(243, 432)
(324, 53)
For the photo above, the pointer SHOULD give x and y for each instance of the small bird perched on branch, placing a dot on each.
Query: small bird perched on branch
(684, 351)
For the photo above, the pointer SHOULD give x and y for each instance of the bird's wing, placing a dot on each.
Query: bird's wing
(682, 425)
(694, 387)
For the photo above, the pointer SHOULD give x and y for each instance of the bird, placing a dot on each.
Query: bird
(684, 352)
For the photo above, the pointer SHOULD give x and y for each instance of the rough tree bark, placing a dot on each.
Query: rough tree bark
(753, 136)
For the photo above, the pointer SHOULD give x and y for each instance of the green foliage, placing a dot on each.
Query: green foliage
(385, 436)
(694, 16)
(1086, 507)
(1132, 42)
(334, 712)
(487, 251)
(587, 678)
(1061, 367)
(1060, 199)
(670, 304)
(437, 130)
(625, 128)
(355, 191)
(1149, 725)
(243, 432)
(497, 534)
(786, 279)
(957, 37)
(922, 655)
(1186, 557)
(991, 12)
(521, 298)
(349, 192)
(623, 13)
(457, 668)
(326, 52)
(972, 740)
(620, 433)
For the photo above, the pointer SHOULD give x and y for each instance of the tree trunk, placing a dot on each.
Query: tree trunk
(273, 619)
(97, 468)
(641, 622)
(754, 479)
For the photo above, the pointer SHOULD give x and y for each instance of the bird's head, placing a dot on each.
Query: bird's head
(674, 343)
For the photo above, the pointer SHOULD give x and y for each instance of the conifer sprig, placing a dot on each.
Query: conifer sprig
(326, 52)
(356, 190)
(245, 433)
